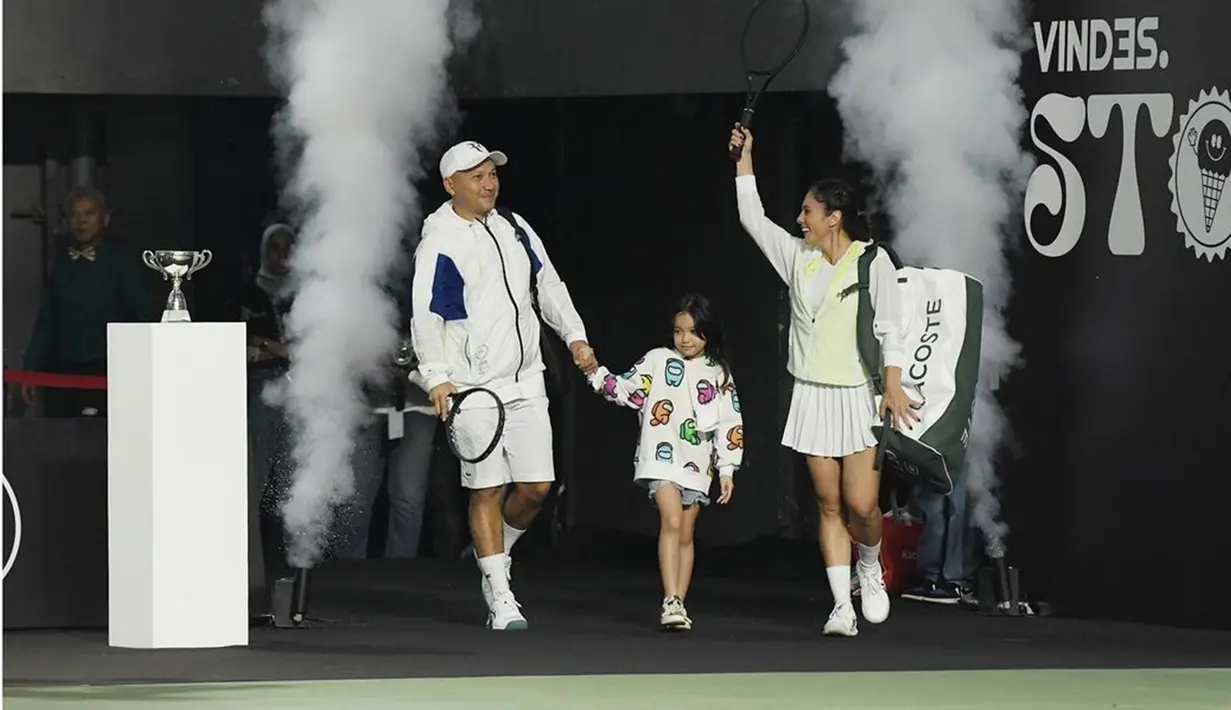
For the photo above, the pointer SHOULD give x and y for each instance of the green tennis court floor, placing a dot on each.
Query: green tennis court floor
(932, 690)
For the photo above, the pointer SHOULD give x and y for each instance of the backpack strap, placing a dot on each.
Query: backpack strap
(552, 360)
(865, 334)
(535, 263)
(865, 340)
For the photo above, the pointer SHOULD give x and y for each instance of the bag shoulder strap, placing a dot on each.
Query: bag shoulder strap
(525, 242)
(547, 348)
(865, 335)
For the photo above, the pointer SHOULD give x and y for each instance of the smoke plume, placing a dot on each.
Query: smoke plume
(929, 99)
(367, 91)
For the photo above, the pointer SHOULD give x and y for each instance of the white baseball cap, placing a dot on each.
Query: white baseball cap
(467, 155)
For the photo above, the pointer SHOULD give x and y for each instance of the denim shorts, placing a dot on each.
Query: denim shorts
(688, 497)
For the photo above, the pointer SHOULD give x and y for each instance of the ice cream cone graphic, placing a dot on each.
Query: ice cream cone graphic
(1213, 148)
(1200, 163)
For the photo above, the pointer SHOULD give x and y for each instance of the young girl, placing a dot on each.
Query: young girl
(690, 428)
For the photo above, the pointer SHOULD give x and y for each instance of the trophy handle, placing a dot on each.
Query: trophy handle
(147, 257)
(201, 261)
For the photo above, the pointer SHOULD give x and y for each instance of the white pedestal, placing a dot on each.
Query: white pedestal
(177, 485)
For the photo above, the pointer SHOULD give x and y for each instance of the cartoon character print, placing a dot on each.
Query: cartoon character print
(735, 438)
(689, 433)
(735, 399)
(706, 392)
(673, 373)
(632, 371)
(638, 397)
(692, 467)
(660, 413)
(664, 452)
(609, 386)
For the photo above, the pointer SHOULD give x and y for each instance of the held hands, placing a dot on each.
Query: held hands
(583, 356)
(741, 138)
(726, 486)
(440, 395)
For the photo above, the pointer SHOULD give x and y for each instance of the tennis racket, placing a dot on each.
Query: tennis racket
(773, 34)
(474, 424)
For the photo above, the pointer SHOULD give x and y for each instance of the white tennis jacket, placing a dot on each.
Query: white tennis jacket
(472, 319)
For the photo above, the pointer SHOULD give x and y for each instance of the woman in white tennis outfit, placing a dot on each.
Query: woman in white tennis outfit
(833, 404)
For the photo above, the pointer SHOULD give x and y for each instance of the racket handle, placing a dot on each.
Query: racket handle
(883, 447)
(745, 121)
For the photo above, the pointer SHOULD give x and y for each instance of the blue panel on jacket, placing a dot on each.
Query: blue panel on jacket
(448, 290)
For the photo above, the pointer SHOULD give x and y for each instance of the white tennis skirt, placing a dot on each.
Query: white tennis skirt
(830, 421)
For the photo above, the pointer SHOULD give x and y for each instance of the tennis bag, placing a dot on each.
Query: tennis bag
(943, 310)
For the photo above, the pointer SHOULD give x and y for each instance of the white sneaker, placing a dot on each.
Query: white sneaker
(487, 587)
(674, 618)
(505, 614)
(873, 598)
(842, 621)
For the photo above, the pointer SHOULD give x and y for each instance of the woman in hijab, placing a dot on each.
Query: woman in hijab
(266, 301)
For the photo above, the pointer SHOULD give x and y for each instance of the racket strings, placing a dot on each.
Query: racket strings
(475, 427)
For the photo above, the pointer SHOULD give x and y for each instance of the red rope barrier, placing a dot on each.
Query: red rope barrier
(50, 379)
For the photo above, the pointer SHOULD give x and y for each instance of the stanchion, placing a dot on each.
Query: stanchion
(999, 588)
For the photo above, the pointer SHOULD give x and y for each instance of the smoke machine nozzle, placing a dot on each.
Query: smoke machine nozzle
(291, 600)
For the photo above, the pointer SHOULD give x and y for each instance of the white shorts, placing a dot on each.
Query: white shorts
(524, 454)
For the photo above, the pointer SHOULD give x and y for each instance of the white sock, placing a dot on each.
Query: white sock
(870, 556)
(493, 568)
(840, 584)
(510, 536)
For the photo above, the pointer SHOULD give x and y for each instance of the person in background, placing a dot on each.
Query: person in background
(949, 554)
(394, 447)
(92, 284)
(264, 304)
(410, 465)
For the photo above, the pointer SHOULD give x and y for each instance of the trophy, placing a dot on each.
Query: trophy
(403, 363)
(405, 355)
(178, 266)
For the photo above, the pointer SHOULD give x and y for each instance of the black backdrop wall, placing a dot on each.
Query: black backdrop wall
(1113, 491)
(1120, 407)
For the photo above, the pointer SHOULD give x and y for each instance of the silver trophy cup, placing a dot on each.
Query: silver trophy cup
(178, 266)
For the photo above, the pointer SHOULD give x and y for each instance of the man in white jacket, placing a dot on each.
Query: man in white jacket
(474, 324)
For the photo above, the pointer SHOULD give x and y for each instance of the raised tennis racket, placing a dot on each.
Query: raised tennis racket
(774, 33)
(474, 424)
